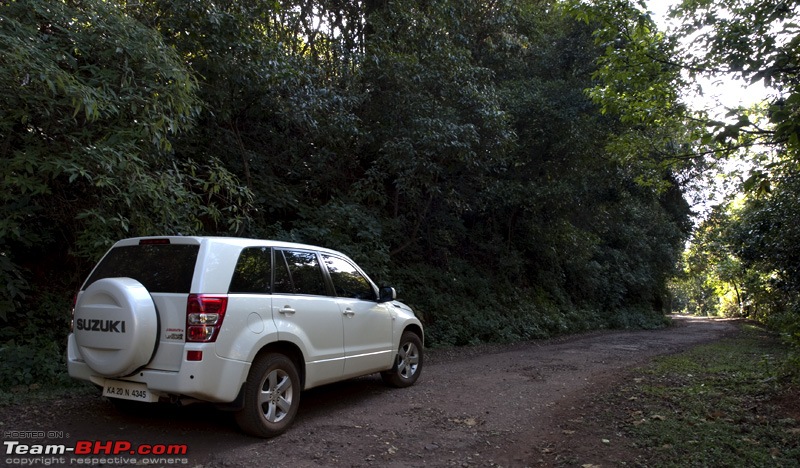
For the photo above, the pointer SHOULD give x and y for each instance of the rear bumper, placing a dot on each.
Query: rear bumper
(213, 379)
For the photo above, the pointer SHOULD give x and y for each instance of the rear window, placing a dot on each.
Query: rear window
(164, 268)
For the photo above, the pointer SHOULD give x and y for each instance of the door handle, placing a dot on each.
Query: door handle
(348, 312)
(287, 310)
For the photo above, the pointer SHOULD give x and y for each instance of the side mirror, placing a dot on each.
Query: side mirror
(387, 294)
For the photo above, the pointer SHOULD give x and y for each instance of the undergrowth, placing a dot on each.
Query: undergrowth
(730, 403)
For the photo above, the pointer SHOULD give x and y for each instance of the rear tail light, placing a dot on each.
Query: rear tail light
(204, 315)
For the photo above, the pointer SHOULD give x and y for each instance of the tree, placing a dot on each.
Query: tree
(756, 42)
(91, 101)
(279, 95)
(427, 161)
(639, 81)
(713, 279)
(766, 238)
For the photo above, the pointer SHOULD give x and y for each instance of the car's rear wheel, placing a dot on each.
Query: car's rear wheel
(271, 396)
(408, 362)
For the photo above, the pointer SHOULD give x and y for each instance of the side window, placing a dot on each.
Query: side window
(347, 280)
(253, 271)
(298, 272)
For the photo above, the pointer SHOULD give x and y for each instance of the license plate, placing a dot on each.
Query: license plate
(128, 391)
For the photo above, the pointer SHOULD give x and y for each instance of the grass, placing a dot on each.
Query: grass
(730, 403)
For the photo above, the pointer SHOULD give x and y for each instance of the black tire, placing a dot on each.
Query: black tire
(271, 396)
(407, 364)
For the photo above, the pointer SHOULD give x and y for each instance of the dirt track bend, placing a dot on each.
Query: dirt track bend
(486, 406)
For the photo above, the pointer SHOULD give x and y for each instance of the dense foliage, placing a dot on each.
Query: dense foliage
(450, 146)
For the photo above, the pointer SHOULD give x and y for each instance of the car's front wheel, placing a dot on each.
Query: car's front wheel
(271, 396)
(408, 362)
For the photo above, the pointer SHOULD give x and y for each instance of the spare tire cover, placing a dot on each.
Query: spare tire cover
(116, 326)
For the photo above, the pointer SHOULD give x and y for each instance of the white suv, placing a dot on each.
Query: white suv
(240, 322)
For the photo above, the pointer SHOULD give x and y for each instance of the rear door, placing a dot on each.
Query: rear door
(302, 308)
(367, 324)
(165, 267)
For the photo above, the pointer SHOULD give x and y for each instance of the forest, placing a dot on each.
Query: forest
(517, 169)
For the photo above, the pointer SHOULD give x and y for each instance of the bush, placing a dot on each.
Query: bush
(461, 308)
(32, 365)
(33, 340)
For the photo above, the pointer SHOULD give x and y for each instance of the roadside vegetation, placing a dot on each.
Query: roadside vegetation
(517, 169)
(729, 403)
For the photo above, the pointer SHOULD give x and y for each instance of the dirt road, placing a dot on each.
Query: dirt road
(488, 406)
